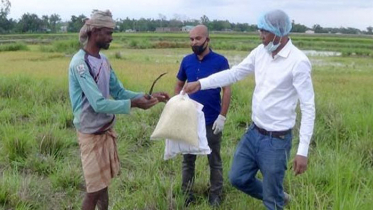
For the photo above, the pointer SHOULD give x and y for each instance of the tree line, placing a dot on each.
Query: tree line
(32, 23)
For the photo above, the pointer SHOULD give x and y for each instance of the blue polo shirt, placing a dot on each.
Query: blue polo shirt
(192, 69)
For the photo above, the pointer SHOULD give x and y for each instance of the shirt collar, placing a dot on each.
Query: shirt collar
(285, 51)
(206, 56)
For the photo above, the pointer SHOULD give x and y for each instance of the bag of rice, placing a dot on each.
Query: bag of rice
(174, 148)
(178, 121)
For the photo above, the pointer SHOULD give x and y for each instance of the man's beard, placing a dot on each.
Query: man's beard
(198, 50)
(103, 45)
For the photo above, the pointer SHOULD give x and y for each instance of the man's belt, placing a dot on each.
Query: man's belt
(276, 134)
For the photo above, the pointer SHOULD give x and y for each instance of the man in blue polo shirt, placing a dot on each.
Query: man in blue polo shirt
(200, 64)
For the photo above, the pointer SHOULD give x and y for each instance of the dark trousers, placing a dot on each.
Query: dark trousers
(216, 167)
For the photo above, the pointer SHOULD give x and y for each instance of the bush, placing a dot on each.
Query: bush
(13, 47)
(137, 44)
(166, 44)
(67, 176)
(118, 55)
(51, 144)
(16, 145)
(65, 46)
(133, 44)
(14, 192)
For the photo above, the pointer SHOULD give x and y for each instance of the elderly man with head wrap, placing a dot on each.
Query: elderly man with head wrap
(282, 78)
(92, 83)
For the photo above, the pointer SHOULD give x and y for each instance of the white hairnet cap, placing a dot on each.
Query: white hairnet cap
(276, 22)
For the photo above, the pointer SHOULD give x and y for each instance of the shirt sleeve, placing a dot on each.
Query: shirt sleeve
(118, 92)
(181, 75)
(225, 65)
(230, 76)
(95, 98)
(303, 84)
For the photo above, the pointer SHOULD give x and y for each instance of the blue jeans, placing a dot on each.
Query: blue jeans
(267, 154)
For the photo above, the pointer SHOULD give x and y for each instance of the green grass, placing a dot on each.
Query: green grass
(13, 47)
(39, 155)
(348, 45)
(66, 46)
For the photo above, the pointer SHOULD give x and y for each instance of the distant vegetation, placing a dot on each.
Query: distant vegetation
(13, 47)
(32, 23)
(346, 45)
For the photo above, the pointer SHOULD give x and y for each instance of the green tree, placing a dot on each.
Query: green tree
(298, 28)
(370, 30)
(219, 25)
(176, 23)
(125, 24)
(142, 24)
(5, 7)
(29, 23)
(243, 27)
(5, 24)
(205, 20)
(76, 23)
(349, 30)
(54, 20)
(162, 19)
(45, 22)
(318, 29)
(192, 22)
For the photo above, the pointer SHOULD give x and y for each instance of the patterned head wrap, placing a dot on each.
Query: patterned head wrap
(99, 19)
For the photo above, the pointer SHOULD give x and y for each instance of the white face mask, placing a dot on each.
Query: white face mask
(270, 47)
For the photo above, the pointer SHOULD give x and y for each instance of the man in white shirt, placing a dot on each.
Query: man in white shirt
(282, 78)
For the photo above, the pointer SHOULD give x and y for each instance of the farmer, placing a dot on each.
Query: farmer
(91, 83)
(282, 77)
(202, 63)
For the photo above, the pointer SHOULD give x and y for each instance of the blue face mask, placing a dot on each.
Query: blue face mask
(270, 47)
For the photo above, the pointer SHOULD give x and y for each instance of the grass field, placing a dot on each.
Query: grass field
(39, 156)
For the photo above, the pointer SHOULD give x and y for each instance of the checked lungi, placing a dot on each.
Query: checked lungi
(100, 159)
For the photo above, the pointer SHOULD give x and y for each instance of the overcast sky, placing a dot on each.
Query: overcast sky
(327, 13)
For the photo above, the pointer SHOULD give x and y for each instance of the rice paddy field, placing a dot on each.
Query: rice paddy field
(40, 165)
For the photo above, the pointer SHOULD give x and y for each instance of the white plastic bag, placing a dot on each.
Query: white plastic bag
(173, 147)
(178, 121)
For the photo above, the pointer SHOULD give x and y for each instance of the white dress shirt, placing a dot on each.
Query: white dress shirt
(279, 83)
